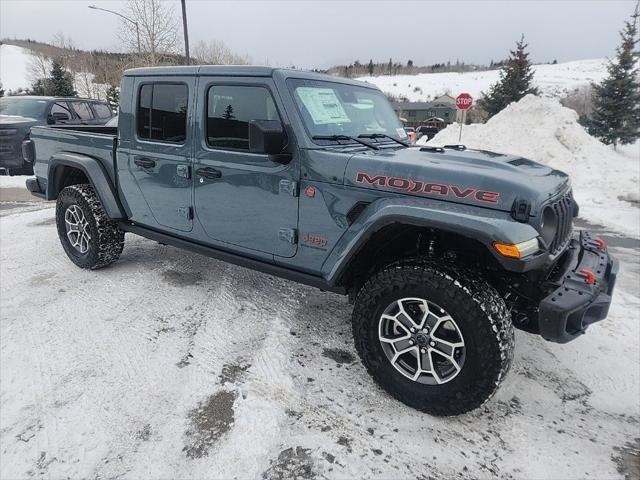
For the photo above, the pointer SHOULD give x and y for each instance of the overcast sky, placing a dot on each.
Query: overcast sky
(323, 33)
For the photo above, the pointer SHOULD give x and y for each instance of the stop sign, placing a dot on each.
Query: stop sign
(464, 101)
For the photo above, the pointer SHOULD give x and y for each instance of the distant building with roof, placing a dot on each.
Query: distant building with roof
(418, 113)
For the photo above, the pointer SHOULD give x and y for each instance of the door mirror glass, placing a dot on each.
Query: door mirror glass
(266, 136)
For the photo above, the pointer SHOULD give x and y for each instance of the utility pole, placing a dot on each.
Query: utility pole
(186, 31)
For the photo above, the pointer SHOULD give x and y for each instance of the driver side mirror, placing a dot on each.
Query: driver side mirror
(57, 117)
(267, 136)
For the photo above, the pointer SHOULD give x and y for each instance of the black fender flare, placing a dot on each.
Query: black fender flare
(481, 224)
(97, 176)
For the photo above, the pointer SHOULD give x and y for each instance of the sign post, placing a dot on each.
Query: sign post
(463, 103)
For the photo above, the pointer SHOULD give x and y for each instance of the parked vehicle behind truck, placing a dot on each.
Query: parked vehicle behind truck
(18, 114)
(441, 250)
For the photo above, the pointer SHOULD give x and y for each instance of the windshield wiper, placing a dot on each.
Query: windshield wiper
(383, 135)
(337, 138)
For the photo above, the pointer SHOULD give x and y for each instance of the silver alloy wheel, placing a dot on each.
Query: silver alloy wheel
(77, 228)
(422, 341)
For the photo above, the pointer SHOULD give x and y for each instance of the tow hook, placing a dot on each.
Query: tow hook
(600, 243)
(589, 277)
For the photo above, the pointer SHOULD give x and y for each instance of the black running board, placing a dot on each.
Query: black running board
(251, 263)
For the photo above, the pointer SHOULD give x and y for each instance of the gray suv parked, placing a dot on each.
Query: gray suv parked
(19, 114)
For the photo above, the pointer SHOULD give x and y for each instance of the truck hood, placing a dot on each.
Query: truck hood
(473, 177)
(16, 121)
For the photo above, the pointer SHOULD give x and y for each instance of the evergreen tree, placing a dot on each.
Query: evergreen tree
(370, 67)
(228, 113)
(113, 97)
(1, 90)
(60, 84)
(515, 81)
(616, 101)
(38, 87)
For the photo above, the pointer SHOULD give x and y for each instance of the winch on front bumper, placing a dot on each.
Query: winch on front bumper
(583, 289)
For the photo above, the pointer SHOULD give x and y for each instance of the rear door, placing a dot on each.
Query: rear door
(159, 160)
(242, 198)
(84, 112)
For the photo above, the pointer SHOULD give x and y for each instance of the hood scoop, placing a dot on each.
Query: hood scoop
(458, 147)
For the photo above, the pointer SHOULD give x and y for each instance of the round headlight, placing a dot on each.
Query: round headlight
(549, 225)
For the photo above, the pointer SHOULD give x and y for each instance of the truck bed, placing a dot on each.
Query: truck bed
(98, 142)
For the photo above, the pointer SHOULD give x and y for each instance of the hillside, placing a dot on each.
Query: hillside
(16, 63)
(553, 80)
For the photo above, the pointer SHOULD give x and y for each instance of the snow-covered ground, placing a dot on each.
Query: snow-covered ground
(606, 183)
(12, 182)
(173, 365)
(552, 80)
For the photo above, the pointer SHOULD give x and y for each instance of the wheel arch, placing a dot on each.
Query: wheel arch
(68, 169)
(393, 221)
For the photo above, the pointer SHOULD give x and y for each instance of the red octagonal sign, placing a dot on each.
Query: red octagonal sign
(464, 101)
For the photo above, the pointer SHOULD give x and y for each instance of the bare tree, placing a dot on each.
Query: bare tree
(580, 100)
(158, 27)
(216, 52)
(38, 66)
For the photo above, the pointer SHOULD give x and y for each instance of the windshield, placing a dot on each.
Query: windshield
(23, 107)
(329, 108)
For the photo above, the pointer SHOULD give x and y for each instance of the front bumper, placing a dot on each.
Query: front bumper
(582, 292)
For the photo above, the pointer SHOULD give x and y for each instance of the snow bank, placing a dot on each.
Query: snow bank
(13, 182)
(543, 130)
(13, 67)
(552, 80)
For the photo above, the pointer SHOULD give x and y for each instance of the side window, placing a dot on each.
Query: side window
(162, 112)
(60, 109)
(83, 110)
(102, 110)
(229, 110)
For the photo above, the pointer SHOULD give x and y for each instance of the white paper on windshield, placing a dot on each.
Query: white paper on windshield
(323, 105)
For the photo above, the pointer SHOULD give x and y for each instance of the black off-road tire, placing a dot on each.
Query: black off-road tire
(480, 313)
(107, 239)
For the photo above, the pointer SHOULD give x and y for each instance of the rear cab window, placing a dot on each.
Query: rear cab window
(162, 112)
(230, 108)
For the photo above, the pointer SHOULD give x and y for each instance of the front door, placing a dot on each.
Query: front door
(241, 198)
(159, 159)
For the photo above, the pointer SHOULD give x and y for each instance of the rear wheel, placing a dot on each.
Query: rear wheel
(89, 238)
(434, 336)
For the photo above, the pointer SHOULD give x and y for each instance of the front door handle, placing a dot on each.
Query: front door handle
(145, 162)
(208, 172)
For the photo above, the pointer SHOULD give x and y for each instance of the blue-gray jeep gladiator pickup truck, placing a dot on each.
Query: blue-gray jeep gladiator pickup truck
(308, 177)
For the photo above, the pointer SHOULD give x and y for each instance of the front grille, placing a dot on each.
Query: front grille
(6, 148)
(563, 208)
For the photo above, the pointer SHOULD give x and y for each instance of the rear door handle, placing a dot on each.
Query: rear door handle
(208, 172)
(145, 162)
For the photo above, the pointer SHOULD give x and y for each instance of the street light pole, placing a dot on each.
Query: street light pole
(186, 32)
(93, 7)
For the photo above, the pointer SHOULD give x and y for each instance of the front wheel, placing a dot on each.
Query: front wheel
(89, 238)
(434, 336)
